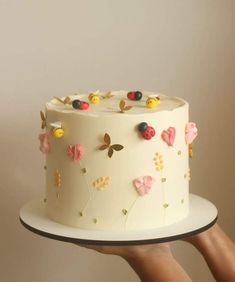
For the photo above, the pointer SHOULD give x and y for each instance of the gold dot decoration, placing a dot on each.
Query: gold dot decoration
(165, 205)
(158, 161)
(95, 220)
(45, 167)
(124, 211)
(44, 200)
(163, 180)
(84, 170)
(81, 214)
(101, 183)
(58, 179)
(179, 153)
(182, 201)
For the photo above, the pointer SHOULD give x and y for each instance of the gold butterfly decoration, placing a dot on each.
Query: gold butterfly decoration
(43, 119)
(123, 107)
(111, 148)
(108, 95)
(66, 101)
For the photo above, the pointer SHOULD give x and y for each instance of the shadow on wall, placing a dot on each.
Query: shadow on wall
(213, 165)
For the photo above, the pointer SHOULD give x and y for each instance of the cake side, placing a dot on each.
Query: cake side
(103, 175)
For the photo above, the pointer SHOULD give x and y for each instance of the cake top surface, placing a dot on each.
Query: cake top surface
(116, 102)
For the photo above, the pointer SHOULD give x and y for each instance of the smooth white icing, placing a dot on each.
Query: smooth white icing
(110, 106)
(104, 209)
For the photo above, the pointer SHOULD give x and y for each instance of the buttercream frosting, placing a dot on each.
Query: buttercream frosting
(102, 164)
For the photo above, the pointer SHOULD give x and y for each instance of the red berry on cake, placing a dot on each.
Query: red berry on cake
(148, 133)
(84, 105)
(131, 95)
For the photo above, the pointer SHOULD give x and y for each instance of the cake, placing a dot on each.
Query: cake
(117, 160)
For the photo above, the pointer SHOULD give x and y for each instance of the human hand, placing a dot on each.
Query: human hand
(218, 250)
(137, 251)
(152, 263)
(203, 237)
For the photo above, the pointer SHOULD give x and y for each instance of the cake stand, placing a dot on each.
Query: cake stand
(202, 215)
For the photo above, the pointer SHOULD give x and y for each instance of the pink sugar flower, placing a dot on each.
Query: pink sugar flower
(143, 184)
(191, 132)
(44, 143)
(75, 152)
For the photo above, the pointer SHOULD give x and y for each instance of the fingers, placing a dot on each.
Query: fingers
(131, 251)
(100, 249)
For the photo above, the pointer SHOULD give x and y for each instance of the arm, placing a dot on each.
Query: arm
(219, 252)
(152, 263)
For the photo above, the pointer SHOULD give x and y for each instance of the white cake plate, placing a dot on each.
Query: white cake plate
(202, 215)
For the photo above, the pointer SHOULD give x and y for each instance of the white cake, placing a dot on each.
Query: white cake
(103, 169)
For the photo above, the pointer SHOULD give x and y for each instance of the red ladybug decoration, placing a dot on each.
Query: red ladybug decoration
(80, 105)
(134, 95)
(131, 95)
(84, 105)
(148, 133)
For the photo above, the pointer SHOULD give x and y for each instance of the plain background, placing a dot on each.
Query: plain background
(54, 48)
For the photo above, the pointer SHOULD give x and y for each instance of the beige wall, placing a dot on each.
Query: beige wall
(47, 48)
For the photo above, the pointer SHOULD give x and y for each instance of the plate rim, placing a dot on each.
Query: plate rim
(117, 242)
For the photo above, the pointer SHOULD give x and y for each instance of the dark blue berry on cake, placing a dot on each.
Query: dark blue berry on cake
(142, 126)
(138, 95)
(76, 104)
